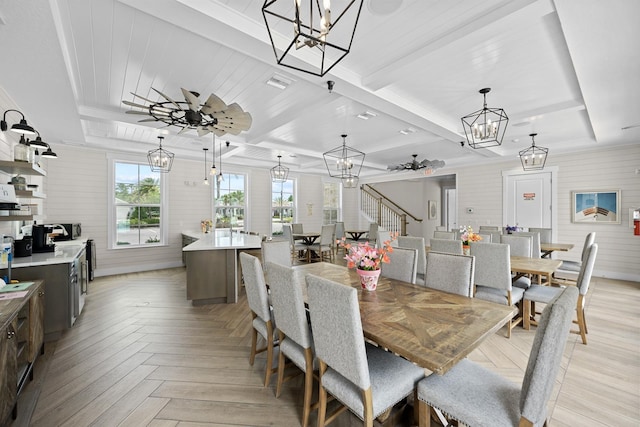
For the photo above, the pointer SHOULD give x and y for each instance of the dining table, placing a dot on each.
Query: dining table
(431, 328)
(356, 234)
(548, 248)
(308, 238)
(541, 267)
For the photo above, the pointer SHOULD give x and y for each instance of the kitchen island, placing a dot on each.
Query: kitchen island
(213, 273)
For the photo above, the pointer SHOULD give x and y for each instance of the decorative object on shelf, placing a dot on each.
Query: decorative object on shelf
(21, 127)
(160, 160)
(467, 235)
(534, 157)
(206, 179)
(206, 225)
(428, 165)
(485, 127)
(512, 229)
(367, 260)
(344, 162)
(279, 173)
(21, 151)
(321, 36)
(212, 116)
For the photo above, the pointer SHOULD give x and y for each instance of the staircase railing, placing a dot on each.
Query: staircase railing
(384, 211)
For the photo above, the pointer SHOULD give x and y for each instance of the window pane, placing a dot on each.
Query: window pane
(230, 202)
(282, 205)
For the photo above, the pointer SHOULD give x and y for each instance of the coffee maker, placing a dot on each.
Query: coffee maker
(42, 239)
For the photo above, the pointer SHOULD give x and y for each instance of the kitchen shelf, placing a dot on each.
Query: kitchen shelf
(16, 218)
(21, 168)
(30, 194)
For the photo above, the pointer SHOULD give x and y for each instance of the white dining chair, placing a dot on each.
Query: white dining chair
(402, 265)
(453, 273)
(414, 242)
(446, 246)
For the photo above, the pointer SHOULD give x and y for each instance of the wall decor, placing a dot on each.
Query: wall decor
(601, 207)
(433, 209)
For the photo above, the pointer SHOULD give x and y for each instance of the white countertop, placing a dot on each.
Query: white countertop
(221, 239)
(65, 253)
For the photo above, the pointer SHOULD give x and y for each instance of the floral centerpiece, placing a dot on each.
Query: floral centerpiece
(206, 225)
(467, 235)
(367, 260)
(513, 228)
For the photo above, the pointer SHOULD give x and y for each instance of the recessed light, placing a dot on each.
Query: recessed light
(366, 115)
(292, 155)
(407, 131)
(279, 81)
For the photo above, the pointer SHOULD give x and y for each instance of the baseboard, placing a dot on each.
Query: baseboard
(136, 268)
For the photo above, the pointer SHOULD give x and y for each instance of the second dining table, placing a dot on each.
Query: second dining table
(541, 267)
(431, 328)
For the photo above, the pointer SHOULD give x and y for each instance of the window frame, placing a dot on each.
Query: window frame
(294, 206)
(112, 226)
(338, 208)
(216, 188)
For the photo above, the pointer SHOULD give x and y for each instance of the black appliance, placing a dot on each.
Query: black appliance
(74, 230)
(41, 239)
(23, 247)
(91, 257)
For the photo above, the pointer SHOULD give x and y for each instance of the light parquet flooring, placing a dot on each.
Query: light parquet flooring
(141, 355)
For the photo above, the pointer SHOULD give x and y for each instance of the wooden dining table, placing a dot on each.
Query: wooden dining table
(541, 267)
(431, 328)
(308, 238)
(548, 248)
(356, 234)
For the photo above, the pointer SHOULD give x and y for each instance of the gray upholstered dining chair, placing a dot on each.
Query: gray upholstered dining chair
(384, 236)
(544, 294)
(493, 277)
(451, 273)
(297, 228)
(324, 246)
(520, 245)
(296, 248)
(368, 380)
(568, 272)
(449, 235)
(402, 265)
(488, 228)
(545, 233)
(476, 396)
(261, 315)
(414, 242)
(485, 237)
(296, 342)
(446, 246)
(536, 252)
(495, 236)
(372, 234)
(277, 251)
(340, 234)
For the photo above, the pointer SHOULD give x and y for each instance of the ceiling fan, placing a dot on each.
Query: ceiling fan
(414, 165)
(212, 116)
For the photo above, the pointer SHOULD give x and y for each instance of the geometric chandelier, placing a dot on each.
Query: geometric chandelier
(344, 162)
(485, 127)
(314, 35)
(279, 173)
(534, 157)
(160, 160)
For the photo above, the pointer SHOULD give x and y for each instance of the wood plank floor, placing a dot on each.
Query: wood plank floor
(141, 355)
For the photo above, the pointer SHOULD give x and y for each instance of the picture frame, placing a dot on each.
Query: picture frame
(596, 207)
(432, 209)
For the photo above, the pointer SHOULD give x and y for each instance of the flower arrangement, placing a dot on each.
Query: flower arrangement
(513, 228)
(365, 257)
(206, 225)
(467, 235)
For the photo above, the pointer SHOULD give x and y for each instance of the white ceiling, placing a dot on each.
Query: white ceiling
(567, 70)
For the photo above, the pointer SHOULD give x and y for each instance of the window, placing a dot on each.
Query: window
(137, 206)
(331, 203)
(230, 201)
(282, 205)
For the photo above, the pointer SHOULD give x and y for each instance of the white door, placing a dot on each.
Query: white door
(451, 209)
(528, 199)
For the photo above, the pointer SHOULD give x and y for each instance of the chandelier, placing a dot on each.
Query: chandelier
(350, 181)
(486, 127)
(317, 34)
(344, 162)
(279, 173)
(160, 160)
(534, 157)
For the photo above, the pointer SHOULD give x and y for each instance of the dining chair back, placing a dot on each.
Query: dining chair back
(544, 294)
(276, 251)
(502, 402)
(451, 273)
(296, 342)
(402, 265)
(373, 233)
(545, 234)
(325, 246)
(536, 252)
(414, 242)
(574, 266)
(488, 228)
(297, 228)
(449, 235)
(262, 317)
(519, 245)
(363, 377)
(340, 234)
(446, 246)
(495, 236)
(385, 236)
(493, 276)
(485, 237)
(441, 228)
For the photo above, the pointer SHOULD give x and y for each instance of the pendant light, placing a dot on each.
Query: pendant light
(213, 170)
(485, 127)
(160, 160)
(344, 162)
(206, 179)
(220, 177)
(279, 173)
(534, 157)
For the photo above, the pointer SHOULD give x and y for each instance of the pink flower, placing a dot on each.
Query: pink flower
(365, 257)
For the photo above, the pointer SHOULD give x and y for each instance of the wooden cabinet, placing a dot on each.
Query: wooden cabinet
(21, 340)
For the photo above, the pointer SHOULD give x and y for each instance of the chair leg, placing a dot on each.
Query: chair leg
(254, 343)
(322, 396)
(269, 367)
(367, 398)
(582, 325)
(308, 386)
(527, 314)
(424, 414)
(280, 367)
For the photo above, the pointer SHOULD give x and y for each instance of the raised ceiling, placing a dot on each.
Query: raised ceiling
(566, 70)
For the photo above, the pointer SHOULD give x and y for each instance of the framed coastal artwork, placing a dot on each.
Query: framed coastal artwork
(601, 207)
